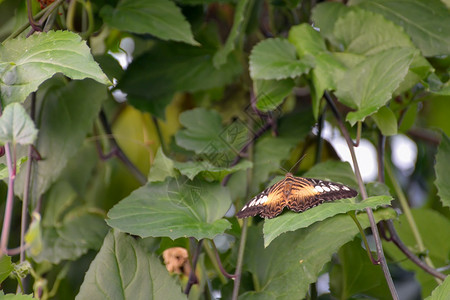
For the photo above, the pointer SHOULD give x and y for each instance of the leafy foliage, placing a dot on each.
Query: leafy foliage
(26, 63)
(132, 272)
(137, 129)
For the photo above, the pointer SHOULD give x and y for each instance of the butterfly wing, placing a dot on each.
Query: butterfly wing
(268, 204)
(308, 192)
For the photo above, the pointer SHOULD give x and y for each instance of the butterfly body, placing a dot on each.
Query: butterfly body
(297, 194)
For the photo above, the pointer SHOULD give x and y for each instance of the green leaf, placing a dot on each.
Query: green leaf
(16, 126)
(271, 93)
(327, 72)
(191, 169)
(202, 131)
(66, 116)
(442, 169)
(332, 170)
(33, 237)
(306, 40)
(239, 23)
(185, 209)
(291, 221)
(270, 151)
(276, 59)
(295, 259)
(160, 18)
(426, 22)
(162, 167)
(15, 296)
(124, 269)
(4, 169)
(355, 275)
(6, 267)
(370, 33)
(26, 63)
(325, 15)
(67, 233)
(386, 121)
(442, 291)
(174, 68)
(434, 229)
(371, 83)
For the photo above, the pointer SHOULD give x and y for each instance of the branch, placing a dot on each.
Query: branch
(219, 263)
(11, 163)
(192, 277)
(398, 242)
(117, 151)
(240, 260)
(362, 189)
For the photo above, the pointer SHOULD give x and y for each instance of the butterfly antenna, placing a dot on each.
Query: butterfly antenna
(298, 161)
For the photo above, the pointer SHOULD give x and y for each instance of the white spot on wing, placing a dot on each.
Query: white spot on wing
(345, 188)
(326, 189)
(319, 189)
(264, 199)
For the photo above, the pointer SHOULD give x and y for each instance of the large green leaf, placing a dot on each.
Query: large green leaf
(68, 234)
(239, 22)
(295, 259)
(442, 169)
(434, 229)
(370, 33)
(174, 209)
(123, 269)
(151, 80)
(6, 267)
(16, 126)
(276, 59)
(65, 117)
(26, 63)
(355, 275)
(291, 221)
(370, 84)
(426, 22)
(160, 18)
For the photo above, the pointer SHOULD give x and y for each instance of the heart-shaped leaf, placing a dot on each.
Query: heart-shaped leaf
(174, 209)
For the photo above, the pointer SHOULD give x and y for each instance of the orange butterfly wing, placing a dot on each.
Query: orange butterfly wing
(297, 193)
(267, 204)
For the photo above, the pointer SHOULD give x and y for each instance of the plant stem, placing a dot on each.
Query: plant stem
(373, 225)
(240, 260)
(363, 236)
(48, 9)
(219, 262)
(9, 200)
(398, 242)
(160, 136)
(117, 151)
(390, 226)
(192, 277)
(407, 211)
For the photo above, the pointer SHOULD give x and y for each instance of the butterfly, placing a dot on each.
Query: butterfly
(297, 193)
